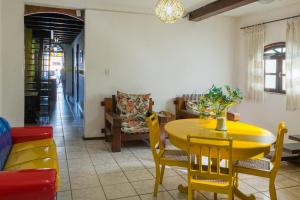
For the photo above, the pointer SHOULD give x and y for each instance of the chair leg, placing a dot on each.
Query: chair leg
(116, 140)
(162, 173)
(157, 179)
(215, 196)
(190, 193)
(230, 195)
(236, 180)
(272, 189)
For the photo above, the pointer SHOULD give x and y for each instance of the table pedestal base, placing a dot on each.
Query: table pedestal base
(183, 189)
(243, 196)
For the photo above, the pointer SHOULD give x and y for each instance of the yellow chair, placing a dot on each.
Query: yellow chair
(162, 156)
(262, 167)
(211, 177)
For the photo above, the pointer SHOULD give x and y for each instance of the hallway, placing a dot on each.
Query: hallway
(66, 114)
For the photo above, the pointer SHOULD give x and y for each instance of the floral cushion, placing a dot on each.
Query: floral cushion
(192, 106)
(133, 109)
(134, 124)
(132, 104)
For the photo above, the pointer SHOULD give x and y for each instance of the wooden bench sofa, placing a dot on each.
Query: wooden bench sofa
(181, 111)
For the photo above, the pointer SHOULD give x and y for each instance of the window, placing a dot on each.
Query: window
(275, 68)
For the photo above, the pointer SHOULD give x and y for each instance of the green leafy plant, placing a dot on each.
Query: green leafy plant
(216, 101)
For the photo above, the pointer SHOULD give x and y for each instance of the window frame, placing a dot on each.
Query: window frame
(280, 57)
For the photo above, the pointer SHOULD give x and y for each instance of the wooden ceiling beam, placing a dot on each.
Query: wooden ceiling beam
(28, 21)
(53, 27)
(216, 8)
(52, 18)
(65, 36)
(56, 30)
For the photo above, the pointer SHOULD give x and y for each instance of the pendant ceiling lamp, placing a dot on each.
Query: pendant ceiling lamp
(169, 11)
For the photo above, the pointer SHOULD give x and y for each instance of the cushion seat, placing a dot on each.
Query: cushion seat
(259, 164)
(45, 163)
(28, 155)
(193, 112)
(211, 182)
(175, 155)
(33, 144)
(134, 125)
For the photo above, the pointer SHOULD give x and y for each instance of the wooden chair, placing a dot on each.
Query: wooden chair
(113, 123)
(211, 177)
(262, 167)
(162, 156)
(182, 113)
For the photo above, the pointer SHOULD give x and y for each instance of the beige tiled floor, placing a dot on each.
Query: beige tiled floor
(90, 171)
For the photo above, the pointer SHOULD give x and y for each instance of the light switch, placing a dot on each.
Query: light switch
(107, 72)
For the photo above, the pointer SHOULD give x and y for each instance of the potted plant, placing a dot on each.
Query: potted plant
(216, 102)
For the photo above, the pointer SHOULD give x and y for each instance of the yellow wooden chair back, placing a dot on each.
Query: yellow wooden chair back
(154, 135)
(214, 150)
(282, 130)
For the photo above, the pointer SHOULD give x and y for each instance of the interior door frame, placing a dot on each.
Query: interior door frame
(73, 71)
(77, 73)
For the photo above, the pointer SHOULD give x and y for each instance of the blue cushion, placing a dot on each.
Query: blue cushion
(5, 141)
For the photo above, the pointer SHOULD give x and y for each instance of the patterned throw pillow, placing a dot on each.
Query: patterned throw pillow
(192, 106)
(133, 104)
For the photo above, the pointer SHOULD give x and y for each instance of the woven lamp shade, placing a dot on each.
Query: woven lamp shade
(169, 11)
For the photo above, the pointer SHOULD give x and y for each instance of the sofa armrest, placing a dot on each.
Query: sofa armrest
(28, 184)
(31, 133)
(113, 118)
(233, 116)
(179, 103)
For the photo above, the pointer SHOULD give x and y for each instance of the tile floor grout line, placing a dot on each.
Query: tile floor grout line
(268, 189)
(98, 178)
(127, 176)
(166, 190)
(152, 176)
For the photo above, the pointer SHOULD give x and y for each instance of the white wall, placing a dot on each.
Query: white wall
(273, 110)
(13, 61)
(145, 55)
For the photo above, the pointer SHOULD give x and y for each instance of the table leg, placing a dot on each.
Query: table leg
(183, 189)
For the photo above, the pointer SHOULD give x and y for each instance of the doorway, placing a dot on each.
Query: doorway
(51, 34)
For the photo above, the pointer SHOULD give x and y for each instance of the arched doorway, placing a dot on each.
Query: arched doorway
(50, 34)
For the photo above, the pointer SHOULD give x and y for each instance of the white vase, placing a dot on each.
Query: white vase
(221, 124)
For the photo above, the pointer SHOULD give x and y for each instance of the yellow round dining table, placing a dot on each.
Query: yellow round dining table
(249, 141)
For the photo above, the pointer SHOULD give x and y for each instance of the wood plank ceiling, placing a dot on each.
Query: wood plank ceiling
(65, 28)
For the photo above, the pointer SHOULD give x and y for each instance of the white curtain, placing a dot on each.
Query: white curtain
(255, 41)
(293, 65)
